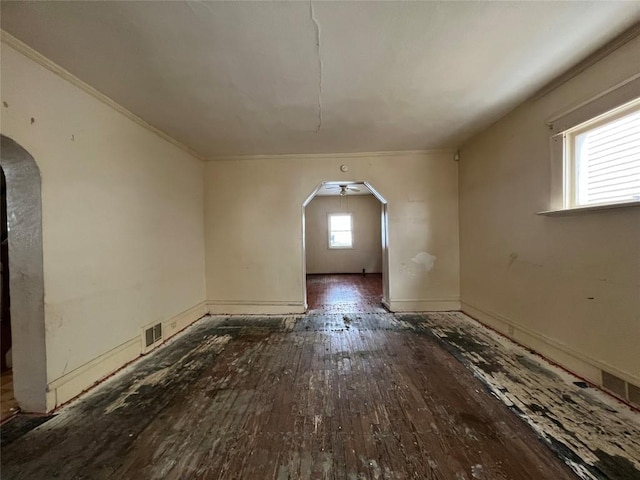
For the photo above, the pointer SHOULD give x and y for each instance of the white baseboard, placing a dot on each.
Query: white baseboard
(181, 321)
(572, 360)
(430, 305)
(386, 304)
(72, 384)
(232, 307)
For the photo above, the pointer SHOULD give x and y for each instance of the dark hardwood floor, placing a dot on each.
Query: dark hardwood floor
(344, 293)
(8, 404)
(348, 391)
(359, 396)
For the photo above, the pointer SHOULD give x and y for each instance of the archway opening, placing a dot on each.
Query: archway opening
(25, 278)
(345, 248)
(8, 403)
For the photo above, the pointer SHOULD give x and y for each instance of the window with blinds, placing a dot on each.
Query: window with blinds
(603, 159)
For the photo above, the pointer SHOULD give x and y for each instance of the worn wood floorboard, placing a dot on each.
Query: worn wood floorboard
(598, 436)
(325, 396)
(344, 292)
(8, 404)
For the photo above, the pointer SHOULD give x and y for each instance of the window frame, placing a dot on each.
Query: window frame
(329, 231)
(599, 106)
(570, 160)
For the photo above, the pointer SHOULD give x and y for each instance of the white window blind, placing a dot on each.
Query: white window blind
(607, 161)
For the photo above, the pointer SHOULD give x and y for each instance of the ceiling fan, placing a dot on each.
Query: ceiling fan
(344, 189)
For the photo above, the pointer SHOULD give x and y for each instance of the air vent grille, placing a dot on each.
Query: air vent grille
(153, 335)
(613, 383)
(621, 388)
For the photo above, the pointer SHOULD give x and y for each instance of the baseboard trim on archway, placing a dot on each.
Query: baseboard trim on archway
(254, 307)
(445, 304)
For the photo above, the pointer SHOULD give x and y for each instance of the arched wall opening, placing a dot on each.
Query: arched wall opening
(384, 230)
(26, 280)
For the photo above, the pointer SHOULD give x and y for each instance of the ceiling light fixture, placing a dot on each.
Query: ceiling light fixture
(344, 189)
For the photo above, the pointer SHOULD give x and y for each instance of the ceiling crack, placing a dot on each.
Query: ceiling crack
(202, 3)
(317, 28)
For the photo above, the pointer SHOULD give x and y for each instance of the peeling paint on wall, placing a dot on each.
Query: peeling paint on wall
(424, 260)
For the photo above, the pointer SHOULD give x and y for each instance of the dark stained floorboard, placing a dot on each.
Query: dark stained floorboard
(593, 432)
(344, 293)
(356, 396)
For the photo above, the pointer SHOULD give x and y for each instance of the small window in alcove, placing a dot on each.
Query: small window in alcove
(340, 230)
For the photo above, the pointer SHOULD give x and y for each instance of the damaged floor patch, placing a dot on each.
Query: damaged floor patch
(597, 436)
(333, 396)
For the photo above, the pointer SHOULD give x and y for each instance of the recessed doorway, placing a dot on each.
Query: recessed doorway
(25, 277)
(8, 403)
(345, 249)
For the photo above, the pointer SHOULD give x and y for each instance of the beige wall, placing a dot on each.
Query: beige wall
(253, 211)
(122, 224)
(366, 253)
(568, 286)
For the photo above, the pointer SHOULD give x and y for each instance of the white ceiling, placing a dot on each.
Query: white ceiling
(243, 78)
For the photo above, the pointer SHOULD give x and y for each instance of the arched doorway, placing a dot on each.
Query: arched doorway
(26, 282)
(342, 188)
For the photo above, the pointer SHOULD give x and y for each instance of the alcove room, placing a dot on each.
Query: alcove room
(343, 249)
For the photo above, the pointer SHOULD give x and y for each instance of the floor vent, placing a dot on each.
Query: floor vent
(624, 390)
(152, 335)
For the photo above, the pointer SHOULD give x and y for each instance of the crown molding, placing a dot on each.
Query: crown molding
(619, 41)
(316, 156)
(30, 53)
(9, 40)
(627, 90)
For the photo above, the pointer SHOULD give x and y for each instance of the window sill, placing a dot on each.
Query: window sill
(590, 208)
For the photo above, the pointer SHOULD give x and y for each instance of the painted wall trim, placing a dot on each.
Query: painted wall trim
(176, 324)
(608, 48)
(43, 61)
(616, 96)
(315, 156)
(445, 304)
(574, 361)
(563, 212)
(251, 307)
(69, 386)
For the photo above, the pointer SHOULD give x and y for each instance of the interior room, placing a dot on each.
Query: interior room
(343, 248)
(320, 239)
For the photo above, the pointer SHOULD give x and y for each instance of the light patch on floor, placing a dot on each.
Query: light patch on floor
(595, 434)
(164, 374)
(289, 322)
